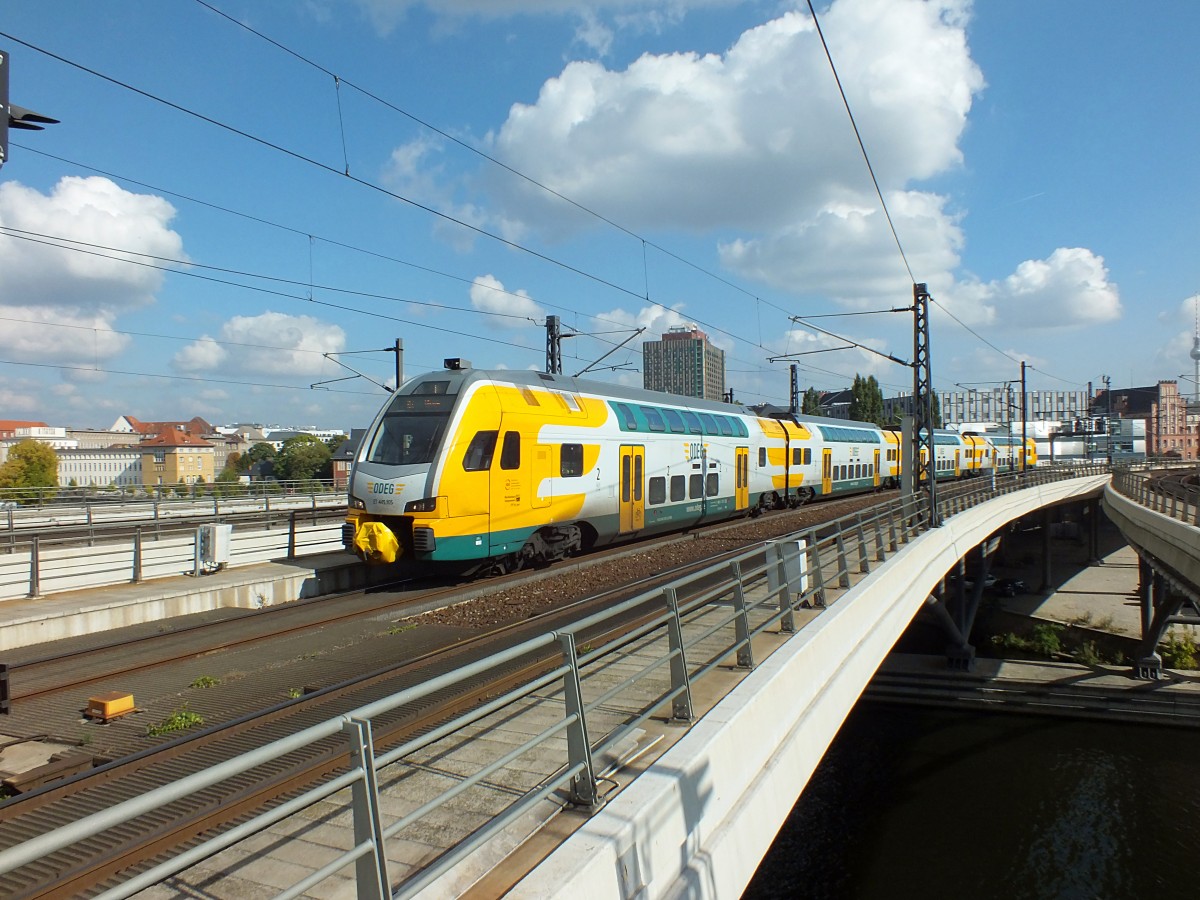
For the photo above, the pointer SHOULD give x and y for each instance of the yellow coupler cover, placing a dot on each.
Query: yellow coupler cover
(376, 542)
(112, 705)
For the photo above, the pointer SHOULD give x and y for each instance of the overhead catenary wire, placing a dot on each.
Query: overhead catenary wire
(339, 81)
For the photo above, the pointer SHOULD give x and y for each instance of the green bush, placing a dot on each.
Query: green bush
(1179, 651)
(1047, 639)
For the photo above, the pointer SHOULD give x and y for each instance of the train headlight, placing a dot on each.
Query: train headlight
(424, 505)
(355, 503)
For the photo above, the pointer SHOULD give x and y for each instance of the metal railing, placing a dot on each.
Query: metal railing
(1179, 502)
(38, 564)
(685, 632)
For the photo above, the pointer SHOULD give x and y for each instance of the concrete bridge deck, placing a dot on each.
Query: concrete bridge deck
(688, 808)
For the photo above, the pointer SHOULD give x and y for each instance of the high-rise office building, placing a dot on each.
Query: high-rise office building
(684, 362)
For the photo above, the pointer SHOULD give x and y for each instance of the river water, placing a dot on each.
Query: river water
(910, 802)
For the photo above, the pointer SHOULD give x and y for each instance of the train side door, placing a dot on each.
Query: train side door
(876, 474)
(741, 478)
(826, 470)
(632, 500)
(957, 463)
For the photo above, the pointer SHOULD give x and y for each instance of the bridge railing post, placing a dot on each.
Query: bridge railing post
(741, 622)
(864, 563)
(814, 566)
(137, 554)
(579, 748)
(681, 688)
(880, 550)
(843, 570)
(893, 536)
(35, 579)
(370, 870)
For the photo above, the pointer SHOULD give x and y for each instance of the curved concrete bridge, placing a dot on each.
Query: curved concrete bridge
(1165, 531)
(698, 821)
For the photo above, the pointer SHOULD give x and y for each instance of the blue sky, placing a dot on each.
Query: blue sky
(477, 165)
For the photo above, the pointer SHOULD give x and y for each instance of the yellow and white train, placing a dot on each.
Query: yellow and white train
(495, 470)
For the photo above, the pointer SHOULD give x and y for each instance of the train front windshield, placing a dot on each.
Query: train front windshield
(408, 438)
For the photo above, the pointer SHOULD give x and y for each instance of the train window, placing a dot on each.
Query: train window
(797, 456)
(725, 426)
(510, 453)
(693, 422)
(625, 478)
(858, 470)
(637, 478)
(628, 420)
(739, 428)
(710, 426)
(808, 456)
(431, 387)
(674, 420)
(870, 470)
(570, 462)
(843, 471)
(695, 486)
(656, 490)
(678, 487)
(407, 439)
(762, 457)
(713, 485)
(478, 457)
(653, 419)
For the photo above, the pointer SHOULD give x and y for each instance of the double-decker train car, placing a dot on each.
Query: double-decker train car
(497, 470)
(1010, 453)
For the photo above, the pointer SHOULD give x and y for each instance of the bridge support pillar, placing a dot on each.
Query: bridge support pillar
(1093, 517)
(1047, 575)
(1159, 607)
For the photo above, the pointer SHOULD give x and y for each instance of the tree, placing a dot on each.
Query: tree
(811, 404)
(257, 453)
(937, 411)
(31, 467)
(866, 400)
(303, 457)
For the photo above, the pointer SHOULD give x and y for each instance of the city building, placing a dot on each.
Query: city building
(343, 458)
(129, 425)
(1163, 409)
(176, 457)
(8, 427)
(100, 467)
(685, 363)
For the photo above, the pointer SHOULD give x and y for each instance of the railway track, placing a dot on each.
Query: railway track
(90, 865)
(424, 652)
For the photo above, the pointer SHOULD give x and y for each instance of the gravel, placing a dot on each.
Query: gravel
(564, 583)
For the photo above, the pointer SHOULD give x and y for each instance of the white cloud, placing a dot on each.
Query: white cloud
(58, 336)
(1067, 290)
(761, 127)
(59, 305)
(271, 343)
(513, 309)
(846, 250)
(90, 211)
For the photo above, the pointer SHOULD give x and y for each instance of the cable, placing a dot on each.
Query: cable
(861, 145)
(287, 387)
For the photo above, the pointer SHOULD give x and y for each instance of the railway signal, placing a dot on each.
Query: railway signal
(13, 116)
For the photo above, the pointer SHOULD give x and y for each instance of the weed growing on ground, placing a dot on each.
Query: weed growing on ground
(205, 681)
(180, 720)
